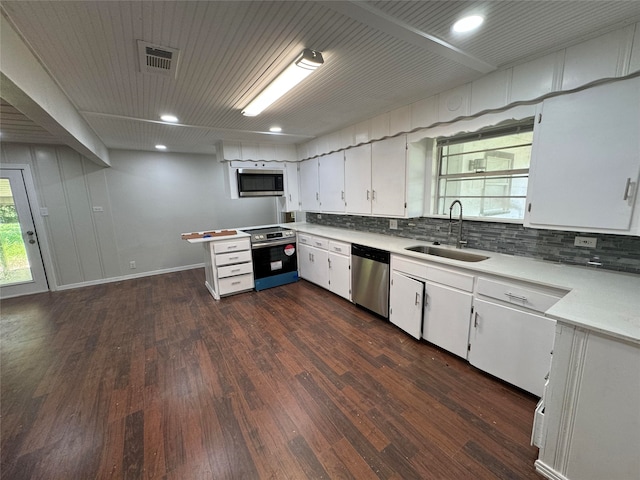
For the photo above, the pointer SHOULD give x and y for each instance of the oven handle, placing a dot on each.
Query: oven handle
(273, 244)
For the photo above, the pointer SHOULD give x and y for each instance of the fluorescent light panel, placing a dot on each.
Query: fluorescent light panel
(300, 69)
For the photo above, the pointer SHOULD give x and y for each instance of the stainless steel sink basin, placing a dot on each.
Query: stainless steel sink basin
(444, 252)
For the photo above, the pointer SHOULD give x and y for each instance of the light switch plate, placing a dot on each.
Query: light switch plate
(588, 242)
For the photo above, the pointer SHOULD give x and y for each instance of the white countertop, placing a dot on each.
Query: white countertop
(599, 300)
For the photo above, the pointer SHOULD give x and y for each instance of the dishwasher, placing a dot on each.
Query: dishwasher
(370, 278)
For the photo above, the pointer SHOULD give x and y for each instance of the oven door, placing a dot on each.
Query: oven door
(271, 259)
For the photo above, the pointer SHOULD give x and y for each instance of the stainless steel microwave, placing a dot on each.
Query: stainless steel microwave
(260, 183)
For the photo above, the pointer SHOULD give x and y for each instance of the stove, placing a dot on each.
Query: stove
(271, 235)
(275, 260)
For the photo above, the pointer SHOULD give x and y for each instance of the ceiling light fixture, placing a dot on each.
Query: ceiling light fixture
(275, 129)
(303, 65)
(169, 118)
(468, 24)
(161, 147)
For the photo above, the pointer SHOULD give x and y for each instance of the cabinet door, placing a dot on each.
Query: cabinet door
(309, 194)
(511, 344)
(388, 177)
(447, 312)
(305, 266)
(331, 182)
(340, 275)
(313, 265)
(405, 304)
(292, 194)
(586, 159)
(357, 178)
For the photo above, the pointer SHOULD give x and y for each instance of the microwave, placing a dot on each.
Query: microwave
(260, 183)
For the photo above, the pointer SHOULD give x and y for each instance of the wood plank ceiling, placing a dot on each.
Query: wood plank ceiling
(230, 50)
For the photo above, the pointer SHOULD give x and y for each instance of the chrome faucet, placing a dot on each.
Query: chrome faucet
(459, 241)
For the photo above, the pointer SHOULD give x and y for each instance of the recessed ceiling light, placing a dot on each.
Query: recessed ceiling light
(169, 118)
(467, 24)
(161, 147)
(275, 129)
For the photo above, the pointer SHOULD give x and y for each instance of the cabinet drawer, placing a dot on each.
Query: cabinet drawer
(304, 239)
(232, 245)
(233, 257)
(236, 284)
(237, 269)
(535, 298)
(340, 247)
(450, 278)
(318, 242)
(410, 267)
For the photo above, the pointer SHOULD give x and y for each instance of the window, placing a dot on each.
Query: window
(487, 171)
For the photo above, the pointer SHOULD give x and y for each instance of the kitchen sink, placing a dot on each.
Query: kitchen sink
(446, 253)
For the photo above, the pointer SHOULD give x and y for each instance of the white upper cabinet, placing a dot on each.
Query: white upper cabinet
(357, 168)
(331, 182)
(291, 199)
(388, 175)
(586, 160)
(308, 182)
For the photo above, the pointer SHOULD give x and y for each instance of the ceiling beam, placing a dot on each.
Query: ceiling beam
(375, 18)
(26, 84)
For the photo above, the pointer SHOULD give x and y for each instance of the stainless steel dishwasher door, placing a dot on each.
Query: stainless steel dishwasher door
(370, 283)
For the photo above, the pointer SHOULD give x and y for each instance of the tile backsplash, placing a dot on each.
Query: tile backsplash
(615, 252)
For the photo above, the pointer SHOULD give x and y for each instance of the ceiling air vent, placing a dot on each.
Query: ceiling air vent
(158, 60)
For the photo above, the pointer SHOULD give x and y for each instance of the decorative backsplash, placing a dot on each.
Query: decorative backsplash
(615, 252)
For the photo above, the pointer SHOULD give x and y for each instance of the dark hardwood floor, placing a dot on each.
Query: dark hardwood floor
(152, 378)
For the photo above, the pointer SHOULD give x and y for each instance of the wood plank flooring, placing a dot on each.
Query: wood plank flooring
(152, 378)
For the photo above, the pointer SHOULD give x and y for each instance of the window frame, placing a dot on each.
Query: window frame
(439, 200)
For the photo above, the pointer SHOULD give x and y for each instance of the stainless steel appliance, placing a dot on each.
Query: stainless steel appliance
(275, 261)
(260, 183)
(370, 278)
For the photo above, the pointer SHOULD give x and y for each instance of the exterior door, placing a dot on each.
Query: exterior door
(21, 266)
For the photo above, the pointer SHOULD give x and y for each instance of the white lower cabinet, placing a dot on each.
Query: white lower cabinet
(510, 337)
(326, 263)
(313, 264)
(446, 318)
(340, 268)
(591, 421)
(405, 303)
(432, 303)
(228, 266)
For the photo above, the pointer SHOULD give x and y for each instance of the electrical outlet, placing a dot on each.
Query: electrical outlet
(319, 216)
(393, 224)
(588, 242)
(132, 264)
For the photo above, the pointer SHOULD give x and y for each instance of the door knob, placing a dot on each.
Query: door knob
(30, 232)
(32, 241)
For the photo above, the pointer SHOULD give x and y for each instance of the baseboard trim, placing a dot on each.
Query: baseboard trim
(548, 472)
(128, 277)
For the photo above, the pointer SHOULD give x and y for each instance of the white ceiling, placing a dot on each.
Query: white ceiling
(378, 56)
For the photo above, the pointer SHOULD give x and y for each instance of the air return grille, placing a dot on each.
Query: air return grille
(158, 60)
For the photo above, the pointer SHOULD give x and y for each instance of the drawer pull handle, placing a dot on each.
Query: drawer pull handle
(626, 189)
(232, 247)
(233, 258)
(475, 321)
(513, 296)
(235, 270)
(417, 298)
(236, 283)
(337, 249)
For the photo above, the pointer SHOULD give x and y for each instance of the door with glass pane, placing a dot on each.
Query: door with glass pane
(21, 267)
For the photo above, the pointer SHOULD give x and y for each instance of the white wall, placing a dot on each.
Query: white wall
(147, 200)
